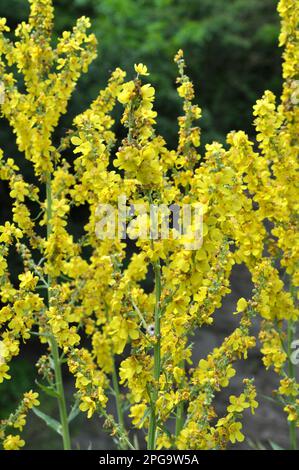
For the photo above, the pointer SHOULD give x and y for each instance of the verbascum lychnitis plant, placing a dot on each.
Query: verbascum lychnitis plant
(86, 299)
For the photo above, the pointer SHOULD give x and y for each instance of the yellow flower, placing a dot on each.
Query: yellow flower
(28, 281)
(19, 191)
(163, 441)
(137, 414)
(136, 372)
(141, 69)
(89, 405)
(81, 145)
(31, 399)
(127, 92)
(8, 232)
(3, 372)
(13, 442)
(291, 412)
(147, 93)
(238, 404)
(234, 431)
(3, 266)
(288, 387)
(20, 422)
(241, 305)
(3, 25)
(227, 375)
(121, 330)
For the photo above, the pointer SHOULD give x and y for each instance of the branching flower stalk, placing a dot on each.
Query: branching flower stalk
(152, 434)
(291, 375)
(180, 415)
(124, 441)
(52, 341)
(116, 389)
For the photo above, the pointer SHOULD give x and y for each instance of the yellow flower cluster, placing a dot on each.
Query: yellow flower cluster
(86, 291)
(90, 381)
(17, 420)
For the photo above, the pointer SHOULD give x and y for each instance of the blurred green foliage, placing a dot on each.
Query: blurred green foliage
(230, 48)
(22, 374)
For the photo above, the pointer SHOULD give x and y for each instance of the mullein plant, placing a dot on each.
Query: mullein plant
(138, 344)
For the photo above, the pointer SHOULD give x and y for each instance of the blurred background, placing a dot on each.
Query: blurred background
(232, 57)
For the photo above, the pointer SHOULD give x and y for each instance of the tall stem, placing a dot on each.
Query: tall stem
(291, 373)
(179, 422)
(61, 396)
(157, 360)
(119, 408)
(53, 344)
(179, 418)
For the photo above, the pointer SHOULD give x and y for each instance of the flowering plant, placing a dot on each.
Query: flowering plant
(90, 289)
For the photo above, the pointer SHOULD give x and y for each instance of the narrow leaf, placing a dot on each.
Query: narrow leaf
(74, 412)
(275, 446)
(51, 422)
(48, 390)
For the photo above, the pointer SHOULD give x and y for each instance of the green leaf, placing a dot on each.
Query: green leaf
(74, 412)
(48, 390)
(51, 422)
(272, 400)
(146, 415)
(256, 445)
(275, 446)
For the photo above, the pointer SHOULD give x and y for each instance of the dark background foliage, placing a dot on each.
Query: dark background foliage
(230, 48)
(232, 56)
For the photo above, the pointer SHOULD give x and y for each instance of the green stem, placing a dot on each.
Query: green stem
(179, 422)
(157, 360)
(291, 373)
(179, 418)
(119, 409)
(119, 432)
(53, 344)
(61, 396)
